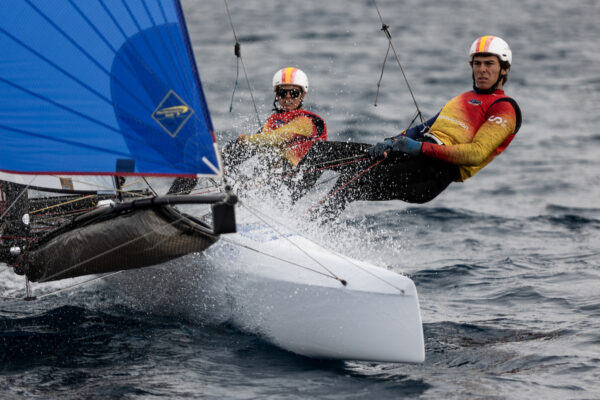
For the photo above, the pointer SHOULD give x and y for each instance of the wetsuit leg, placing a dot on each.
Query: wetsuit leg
(410, 179)
(322, 156)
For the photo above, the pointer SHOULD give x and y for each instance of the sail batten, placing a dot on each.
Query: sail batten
(90, 83)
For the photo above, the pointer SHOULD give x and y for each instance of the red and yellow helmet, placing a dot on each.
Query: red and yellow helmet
(492, 45)
(291, 76)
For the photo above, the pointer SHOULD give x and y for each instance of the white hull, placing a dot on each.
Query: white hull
(374, 317)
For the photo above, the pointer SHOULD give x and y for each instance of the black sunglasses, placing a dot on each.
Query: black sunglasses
(282, 93)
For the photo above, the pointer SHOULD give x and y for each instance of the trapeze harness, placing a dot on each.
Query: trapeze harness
(297, 148)
(273, 136)
(471, 130)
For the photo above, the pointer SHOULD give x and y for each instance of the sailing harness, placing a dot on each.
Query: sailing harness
(300, 145)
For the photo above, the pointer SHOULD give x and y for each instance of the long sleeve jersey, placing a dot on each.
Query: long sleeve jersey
(474, 128)
(291, 133)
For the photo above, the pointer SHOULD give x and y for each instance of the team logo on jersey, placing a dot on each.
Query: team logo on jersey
(474, 102)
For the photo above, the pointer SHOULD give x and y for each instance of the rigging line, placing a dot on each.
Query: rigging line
(241, 59)
(62, 204)
(151, 188)
(17, 198)
(384, 28)
(237, 75)
(412, 121)
(259, 181)
(256, 214)
(340, 159)
(355, 159)
(278, 258)
(78, 284)
(98, 186)
(310, 171)
(153, 230)
(349, 260)
(381, 76)
(345, 184)
(88, 197)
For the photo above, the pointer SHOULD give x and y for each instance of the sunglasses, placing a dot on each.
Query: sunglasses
(282, 93)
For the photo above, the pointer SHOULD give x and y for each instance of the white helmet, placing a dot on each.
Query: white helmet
(492, 45)
(291, 76)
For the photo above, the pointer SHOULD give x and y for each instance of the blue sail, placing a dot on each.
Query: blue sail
(101, 87)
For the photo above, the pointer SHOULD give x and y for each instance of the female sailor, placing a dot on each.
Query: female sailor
(288, 133)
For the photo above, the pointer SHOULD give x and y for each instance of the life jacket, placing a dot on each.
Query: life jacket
(299, 146)
(459, 121)
(509, 139)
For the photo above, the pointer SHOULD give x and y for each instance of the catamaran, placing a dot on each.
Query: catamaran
(101, 99)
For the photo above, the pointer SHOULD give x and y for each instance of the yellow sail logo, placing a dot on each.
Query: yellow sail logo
(172, 113)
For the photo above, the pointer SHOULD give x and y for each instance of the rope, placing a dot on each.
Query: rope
(18, 197)
(345, 184)
(62, 204)
(280, 259)
(151, 188)
(348, 259)
(238, 53)
(384, 28)
(333, 275)
(78, 284)
(381, 76)
(356, 158)
(237, 73)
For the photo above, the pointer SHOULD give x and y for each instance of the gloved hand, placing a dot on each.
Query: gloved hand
(406, 145)
(242, 139)
(378, 149)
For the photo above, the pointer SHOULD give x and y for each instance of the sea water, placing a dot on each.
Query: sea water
(506, 264)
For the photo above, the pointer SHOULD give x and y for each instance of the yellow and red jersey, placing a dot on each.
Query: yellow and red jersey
(291, 133)
(474, 129)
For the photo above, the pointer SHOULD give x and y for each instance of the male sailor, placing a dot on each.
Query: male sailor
(289, 132)
(418, 164)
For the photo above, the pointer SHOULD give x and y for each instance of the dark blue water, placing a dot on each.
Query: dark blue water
(507, 265)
